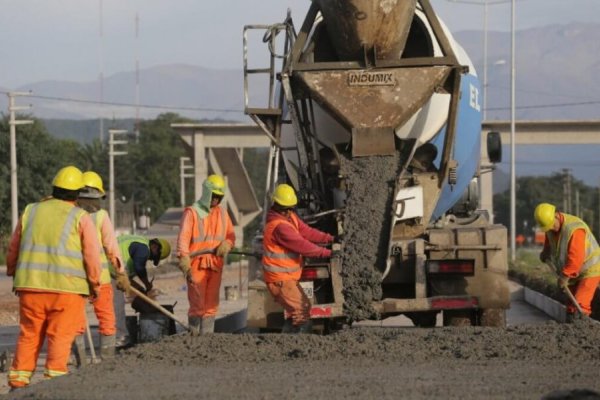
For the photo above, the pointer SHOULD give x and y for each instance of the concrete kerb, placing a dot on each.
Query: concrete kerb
(549, 306)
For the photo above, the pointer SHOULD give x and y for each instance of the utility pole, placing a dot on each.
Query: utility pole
(13, 122)
(111, 167)
(137, 80)
(101, 73)
(513, 185)
(567, 195)
(183, 166)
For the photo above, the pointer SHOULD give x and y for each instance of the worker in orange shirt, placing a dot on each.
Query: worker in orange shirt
(571, 248)
(54, 259)
(111, 263)
(206, 237)
(286, 240)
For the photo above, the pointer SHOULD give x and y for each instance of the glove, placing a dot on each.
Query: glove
(184, 266)
(123, 283)
(563, 281)
(223, 249)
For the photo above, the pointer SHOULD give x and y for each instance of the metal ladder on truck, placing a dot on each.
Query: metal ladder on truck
(269, 118)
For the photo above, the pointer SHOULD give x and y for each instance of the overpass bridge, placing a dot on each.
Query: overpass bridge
(563, 132)
(218, 148)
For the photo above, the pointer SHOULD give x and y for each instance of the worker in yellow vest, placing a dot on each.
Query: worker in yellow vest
(54, 259)
(112, 264)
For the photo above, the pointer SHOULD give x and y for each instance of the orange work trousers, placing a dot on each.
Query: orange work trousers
(55, 316)
(583, 290)
(293, 299)
(203, 292)
(105, 312)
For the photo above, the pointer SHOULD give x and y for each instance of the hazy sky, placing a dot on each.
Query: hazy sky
(60, 40)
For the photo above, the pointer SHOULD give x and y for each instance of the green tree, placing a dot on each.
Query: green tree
(532, 190)
(149, 173)
(39, 157)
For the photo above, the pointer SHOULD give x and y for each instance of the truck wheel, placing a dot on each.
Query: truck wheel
(495, 317)
(458, 317)
(423, 319)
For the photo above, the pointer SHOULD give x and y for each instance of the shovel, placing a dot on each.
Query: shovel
(159, 307)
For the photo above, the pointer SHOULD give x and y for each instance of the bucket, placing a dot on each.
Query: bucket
(153, 326)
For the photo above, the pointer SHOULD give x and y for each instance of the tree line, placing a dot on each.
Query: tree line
(148, 174)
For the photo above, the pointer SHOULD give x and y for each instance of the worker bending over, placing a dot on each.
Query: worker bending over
(286, 240)
(571, 248)
(136, 251)
(110, 257)
(54, 259)
(205, 237)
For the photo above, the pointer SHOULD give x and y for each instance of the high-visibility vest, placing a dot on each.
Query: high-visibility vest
(280, 264)
(124, 242)
(50, 253)
(559, 247)
(107, 268)
(207, 234)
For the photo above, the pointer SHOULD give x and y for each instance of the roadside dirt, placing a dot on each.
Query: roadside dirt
(524, 362)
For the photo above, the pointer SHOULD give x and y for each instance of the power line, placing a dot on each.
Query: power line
(130, 105)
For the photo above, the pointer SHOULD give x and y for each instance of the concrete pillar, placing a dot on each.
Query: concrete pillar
(200, 163)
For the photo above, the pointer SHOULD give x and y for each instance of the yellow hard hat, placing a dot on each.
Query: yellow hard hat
(284, 195)
(165, 248)
(544, 216)
(69, 178)
(218, 184)
(93, 180)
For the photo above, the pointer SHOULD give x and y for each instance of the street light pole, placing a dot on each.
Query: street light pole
(513, 195)
(13, 122)
(111, 168)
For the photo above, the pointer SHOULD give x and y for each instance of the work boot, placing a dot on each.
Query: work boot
(305, 327)
(79, 350)
(122, 342)
(208, 325)
(107, 347)
(195, 324)
(288, 326)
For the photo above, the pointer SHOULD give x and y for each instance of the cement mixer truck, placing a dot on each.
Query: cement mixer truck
(374, 116)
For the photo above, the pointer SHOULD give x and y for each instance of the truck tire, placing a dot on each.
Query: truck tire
(495, 317)
(458, 317)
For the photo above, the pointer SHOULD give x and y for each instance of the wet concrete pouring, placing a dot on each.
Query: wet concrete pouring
(370, 188)
(525, 362)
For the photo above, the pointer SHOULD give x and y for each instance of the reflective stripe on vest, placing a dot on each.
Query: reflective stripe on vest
(50, 255)
(124, 242)
(203, 242)
(591, 263)
(107, 268)
(279, 263)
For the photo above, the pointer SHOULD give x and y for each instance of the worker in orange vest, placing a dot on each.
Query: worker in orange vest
(54, 259)
(573, 251)
(286, 240)
(111, 263)
(206, 237)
